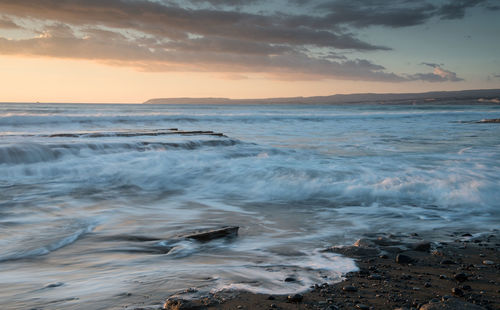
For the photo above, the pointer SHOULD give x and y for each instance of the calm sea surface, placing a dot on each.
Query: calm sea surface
(95, 199)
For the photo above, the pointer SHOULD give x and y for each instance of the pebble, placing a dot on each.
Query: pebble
(349, 288)
(362, 307)
(290, 279)
(174, 303)
(427, 284)
(466, 287)
(423, 246)
(375, 277)
(457, 292)
(488, 262)
(403, 259)
(295, 298)
(461, 277)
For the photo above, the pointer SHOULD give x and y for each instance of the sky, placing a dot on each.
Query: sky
(129, 51)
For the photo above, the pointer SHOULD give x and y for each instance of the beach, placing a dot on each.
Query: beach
(396, 271)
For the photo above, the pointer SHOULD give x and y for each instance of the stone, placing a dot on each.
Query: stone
(364, 243)
(386, 242)
(208, 235)
(290, 279)
(488, 262)
(295, 298)
(423, 246)
(375, 277)
(461, 277)
(362, 307)
(356, 251)
(349, 288)
(403, 259)
(491, 120)
(174, 303)
(457, 292)
(52, 285)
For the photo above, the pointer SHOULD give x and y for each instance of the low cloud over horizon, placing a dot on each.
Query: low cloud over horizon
(307, 40)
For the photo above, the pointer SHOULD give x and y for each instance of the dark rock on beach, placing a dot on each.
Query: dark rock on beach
(403, 259)
(295, 298)
(178, 304)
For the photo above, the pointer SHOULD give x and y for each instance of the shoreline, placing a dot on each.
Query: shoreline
(404, 271)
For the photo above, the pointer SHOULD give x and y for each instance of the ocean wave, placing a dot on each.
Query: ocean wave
(24, 119)
(44, 242)
(27, 153)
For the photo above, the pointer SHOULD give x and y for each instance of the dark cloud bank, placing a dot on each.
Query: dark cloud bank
(310, 40)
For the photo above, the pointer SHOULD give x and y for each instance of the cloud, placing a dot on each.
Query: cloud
(173, 22)
(365, 13)
(395, 13)
(218, 3)
(456, 8)
(308, 40)
(438, 75)
(8, 24)
(60, 41)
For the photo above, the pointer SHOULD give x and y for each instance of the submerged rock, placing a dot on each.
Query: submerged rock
(491, 120)
(208, 235)
(356, 251)
(52, 285)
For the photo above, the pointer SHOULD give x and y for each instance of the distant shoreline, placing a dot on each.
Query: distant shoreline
(480, 95)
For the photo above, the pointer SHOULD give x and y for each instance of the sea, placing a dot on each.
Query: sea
(96, 200)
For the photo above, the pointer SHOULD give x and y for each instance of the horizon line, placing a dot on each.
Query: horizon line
(250, 99)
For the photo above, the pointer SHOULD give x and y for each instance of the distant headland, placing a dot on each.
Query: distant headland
(479, 95)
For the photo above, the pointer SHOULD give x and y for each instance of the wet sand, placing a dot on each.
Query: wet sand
(395, 271)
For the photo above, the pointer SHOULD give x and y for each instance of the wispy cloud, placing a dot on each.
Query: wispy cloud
(8, 24)
(438, 75)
